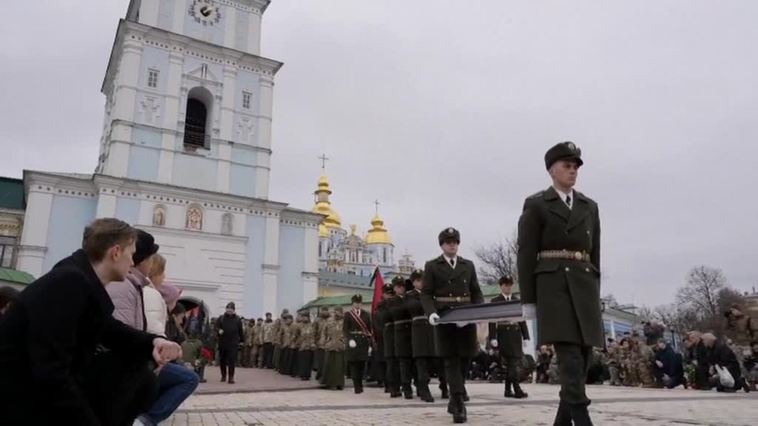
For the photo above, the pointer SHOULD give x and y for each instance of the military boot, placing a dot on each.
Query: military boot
(425, 394)
(458, 408)
(407, 391)
(580, 415)
(518, 393)
(508, 392)
(445, 392)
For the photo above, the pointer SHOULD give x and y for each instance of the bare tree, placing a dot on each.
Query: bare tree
(499, 260)
(700, 295)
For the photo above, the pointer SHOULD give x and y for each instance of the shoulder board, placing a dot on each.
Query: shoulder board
(537, 194)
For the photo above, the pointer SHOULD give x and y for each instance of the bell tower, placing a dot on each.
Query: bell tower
(188, 98)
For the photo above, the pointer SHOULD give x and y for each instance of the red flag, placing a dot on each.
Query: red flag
(378, 282)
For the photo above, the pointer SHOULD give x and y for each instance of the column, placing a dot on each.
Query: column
(31, 254)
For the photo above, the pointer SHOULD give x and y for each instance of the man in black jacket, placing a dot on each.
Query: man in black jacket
(719, 354)
(668, 363)
(230, 334)
(51, 373)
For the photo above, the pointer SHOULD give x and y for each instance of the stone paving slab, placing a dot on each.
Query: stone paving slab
(611, 405)
(251, 380)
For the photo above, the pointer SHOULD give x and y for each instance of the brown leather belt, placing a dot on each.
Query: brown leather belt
(453, 299)
(564, 254)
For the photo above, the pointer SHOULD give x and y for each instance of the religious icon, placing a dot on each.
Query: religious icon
(226, 224)
(159, 216)
(194, 218)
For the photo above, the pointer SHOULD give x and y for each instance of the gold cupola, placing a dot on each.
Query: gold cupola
(378, 233)
(324, 206)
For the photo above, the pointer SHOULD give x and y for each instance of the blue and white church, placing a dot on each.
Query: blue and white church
(185, 155)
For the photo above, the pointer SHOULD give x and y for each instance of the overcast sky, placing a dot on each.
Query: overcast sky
(442, 110)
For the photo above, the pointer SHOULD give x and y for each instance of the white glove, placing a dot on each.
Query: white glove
(221, 332)
(434, 319)
(352, 343)
(461, 324)
(529, 311)
(493, 343)
(370, 350)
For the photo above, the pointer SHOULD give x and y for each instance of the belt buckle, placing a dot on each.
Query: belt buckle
(458, 299)
(578, 255)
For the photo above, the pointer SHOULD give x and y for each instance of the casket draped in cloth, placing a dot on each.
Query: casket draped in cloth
(484, 312)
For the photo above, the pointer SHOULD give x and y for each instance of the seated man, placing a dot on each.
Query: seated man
(64, 358)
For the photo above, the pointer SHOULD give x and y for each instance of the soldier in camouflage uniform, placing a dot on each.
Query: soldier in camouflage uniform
(286, 331)
(268, 341)
(629, 373)
(613, 364)
(645, 358)
(333, 376)
(294, 345)
(306, 349)
(277, 341)
(258, 344)
(247, 344)
(318, 326)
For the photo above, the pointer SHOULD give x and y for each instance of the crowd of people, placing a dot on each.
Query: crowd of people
(98, 339)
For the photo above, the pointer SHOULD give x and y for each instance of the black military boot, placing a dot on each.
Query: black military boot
(508, 392)
(519, 393)
(445, 392)
(563, 416)
(407, 391)
(465, 397)
(458, 408)
(357, 386)
(425, 394)
(580, 415)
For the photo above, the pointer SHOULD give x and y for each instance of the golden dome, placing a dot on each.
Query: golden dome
(324, 207)
(378, 233)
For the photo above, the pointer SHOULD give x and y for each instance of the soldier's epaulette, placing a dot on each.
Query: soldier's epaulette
(537, 194)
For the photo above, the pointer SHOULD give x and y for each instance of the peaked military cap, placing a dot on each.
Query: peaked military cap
(449, 234)
(417, 274)
(398, 280)
(563, 151)
(387, 289)
(357, 298)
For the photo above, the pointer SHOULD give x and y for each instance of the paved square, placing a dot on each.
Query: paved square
(611, 405)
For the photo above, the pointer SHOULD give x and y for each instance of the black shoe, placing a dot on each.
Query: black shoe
(508, 392)
(580, 415)
(231, 380)
(459, 409)
(223, 379)
(407, 392)
(395, 394)
(358, 390)
(465, 397)
(445, 393)
(563, 416)
(519, 393)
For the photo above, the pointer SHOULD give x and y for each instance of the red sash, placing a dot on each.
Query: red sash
(362, 325)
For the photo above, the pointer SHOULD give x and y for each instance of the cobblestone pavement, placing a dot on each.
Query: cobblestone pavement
(611, 405)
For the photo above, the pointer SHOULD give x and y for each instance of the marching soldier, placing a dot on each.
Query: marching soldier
(403, 344)
(393, 367)
(333, 376)
(381, 316)
(450, 281)
(357, 329)
(508, 338)
(559, 275)
(422, 334)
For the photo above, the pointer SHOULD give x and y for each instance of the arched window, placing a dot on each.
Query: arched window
(197, 119)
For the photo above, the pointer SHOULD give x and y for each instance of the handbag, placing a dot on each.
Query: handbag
(725, 377)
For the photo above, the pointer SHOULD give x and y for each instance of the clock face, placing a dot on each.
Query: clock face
(205, 12)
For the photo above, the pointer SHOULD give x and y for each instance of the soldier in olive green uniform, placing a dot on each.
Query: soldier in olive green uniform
(321, 341)
(450, 281)
(285, 352)
(258, 344)
(403, 343)
(559, 275)
(306, 349)
(508, 338)
(333, 376)
(294, 345)
(357, 328)
(424, 356)
(268, 342)
(393, 366)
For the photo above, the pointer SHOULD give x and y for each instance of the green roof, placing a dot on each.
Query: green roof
(14, 276)
(11, 193)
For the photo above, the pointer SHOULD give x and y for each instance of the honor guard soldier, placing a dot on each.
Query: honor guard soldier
(381, 316)
(422, 333)
(507, 337)
(357, 328)
(559, 276)
(450, 281)
(403, 344)
(393, 365)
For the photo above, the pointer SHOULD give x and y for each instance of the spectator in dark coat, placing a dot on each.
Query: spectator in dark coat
(8, 296)
(668, 368)
(699, 357)
(721, 355)
(230, 334)
(51, 373)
